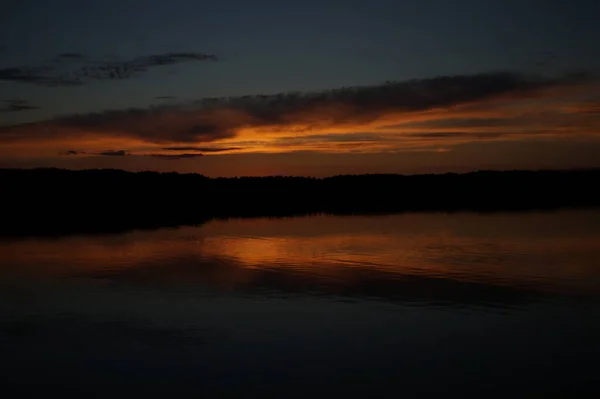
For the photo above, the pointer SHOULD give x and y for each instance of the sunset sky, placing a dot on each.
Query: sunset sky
(265, 87)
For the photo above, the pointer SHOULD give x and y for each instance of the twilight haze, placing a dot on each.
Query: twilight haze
(265, 87)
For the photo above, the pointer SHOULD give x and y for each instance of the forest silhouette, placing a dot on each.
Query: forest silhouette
(51, 201)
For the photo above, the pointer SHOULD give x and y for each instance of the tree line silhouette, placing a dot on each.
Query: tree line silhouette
(57, 201)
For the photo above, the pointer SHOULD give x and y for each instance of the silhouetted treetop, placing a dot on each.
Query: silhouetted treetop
(111, 199)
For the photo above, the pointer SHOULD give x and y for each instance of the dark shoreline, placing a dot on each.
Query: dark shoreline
(54, 202)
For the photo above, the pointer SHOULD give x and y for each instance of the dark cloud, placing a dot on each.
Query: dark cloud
(171, 58)
(118, 153)
(109, 70)
(365, 103)
(164, 97)
(214, 119)
(157, 124)
(122, 153)
(72, 152)
(202, 149)
(16, 106)
(58, 74)
(125, 69)
(40, 75)
(176, 156)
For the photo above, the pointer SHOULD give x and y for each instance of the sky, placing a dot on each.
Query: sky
(314, 87)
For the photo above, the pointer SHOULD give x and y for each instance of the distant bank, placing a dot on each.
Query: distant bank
(57, 201)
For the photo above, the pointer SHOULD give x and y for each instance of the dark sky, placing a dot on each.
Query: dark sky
(119, 83)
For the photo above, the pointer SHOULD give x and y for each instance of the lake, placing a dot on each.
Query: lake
(405, 305)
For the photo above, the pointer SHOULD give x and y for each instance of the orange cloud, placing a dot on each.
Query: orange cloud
(419, 115)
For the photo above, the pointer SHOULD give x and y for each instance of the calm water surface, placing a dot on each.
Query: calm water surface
(409, 305)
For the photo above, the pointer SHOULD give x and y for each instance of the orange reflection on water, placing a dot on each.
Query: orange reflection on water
(550, 250)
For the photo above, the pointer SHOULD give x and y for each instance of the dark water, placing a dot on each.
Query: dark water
(411, 305)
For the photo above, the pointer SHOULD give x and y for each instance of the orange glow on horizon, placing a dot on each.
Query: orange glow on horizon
(328, 129)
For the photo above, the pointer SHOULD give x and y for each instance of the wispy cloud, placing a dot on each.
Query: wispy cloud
(16, 106)
(171, 58)
(39, 75)
(76, 68)
(122, 153)
(107, 153)
(437, 112)
(117, 153)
